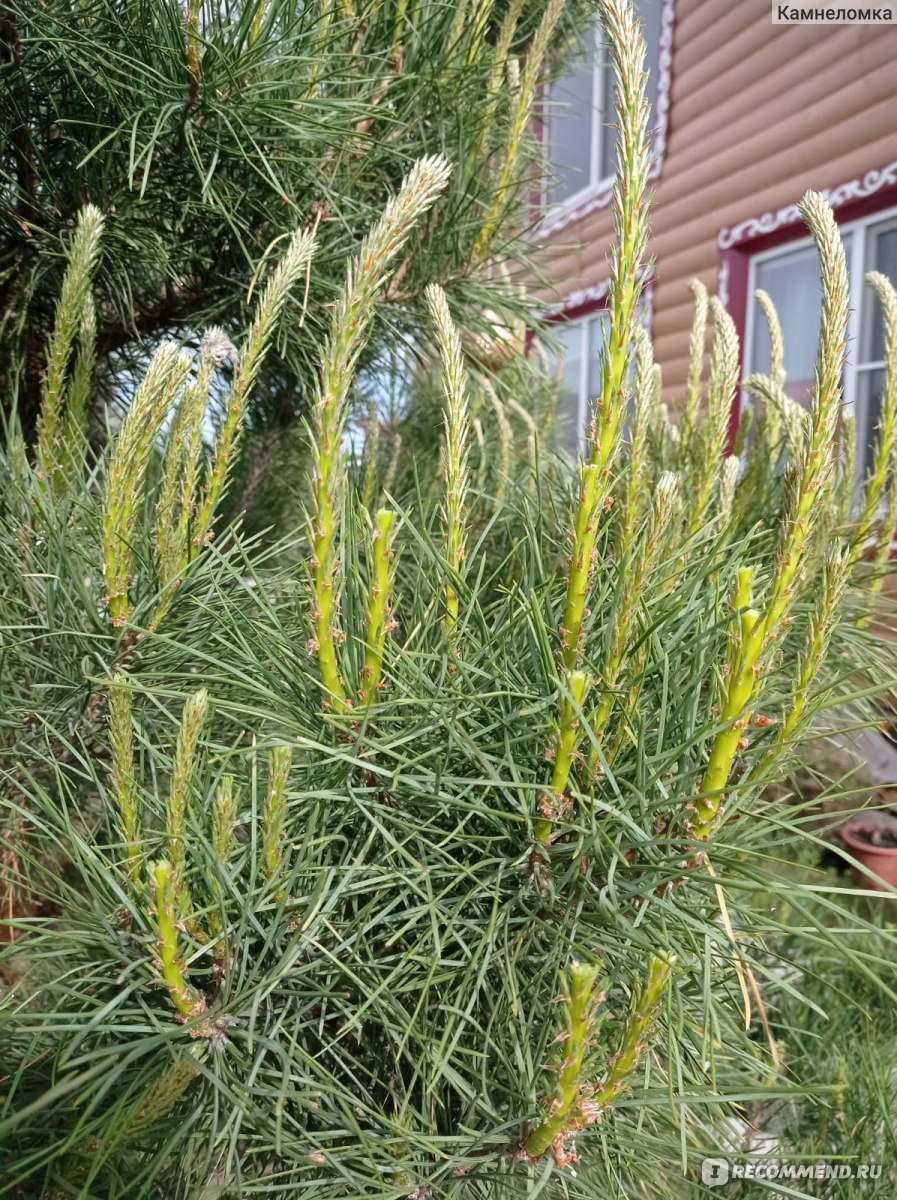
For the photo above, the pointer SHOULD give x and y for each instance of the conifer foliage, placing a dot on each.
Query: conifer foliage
(205, 131)
(436, 865)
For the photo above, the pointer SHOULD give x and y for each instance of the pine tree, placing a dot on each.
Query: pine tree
(204, 133)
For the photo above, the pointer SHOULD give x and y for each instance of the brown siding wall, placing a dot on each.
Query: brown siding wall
(758, 114)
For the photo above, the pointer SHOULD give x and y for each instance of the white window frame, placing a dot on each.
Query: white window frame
(597, 193)
(583, 396)
(644, 313)
(856, 270)
(597, 182)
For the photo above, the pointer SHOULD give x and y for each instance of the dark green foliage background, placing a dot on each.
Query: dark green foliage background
(315, 119)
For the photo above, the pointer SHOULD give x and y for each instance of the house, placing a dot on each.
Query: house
(746, 115)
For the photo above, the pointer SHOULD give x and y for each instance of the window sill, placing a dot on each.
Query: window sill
(586, 200)
(590, 199)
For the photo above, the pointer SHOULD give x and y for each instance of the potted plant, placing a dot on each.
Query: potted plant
(871, 839)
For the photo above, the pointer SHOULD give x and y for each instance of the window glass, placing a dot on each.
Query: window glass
(870, 385)
(648, 12)
(792, 281)
(881, 256)
(580, 133)
(597, 334)
(582, 343)
(607, 135)
(570, 116)
(567, 419)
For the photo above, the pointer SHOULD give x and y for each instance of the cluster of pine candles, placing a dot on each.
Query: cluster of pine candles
(657, 529)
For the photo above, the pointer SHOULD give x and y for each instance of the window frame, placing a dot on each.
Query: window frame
(856, 271)
(603, 182)
(871, 195)
(582, 307)
(597, 193)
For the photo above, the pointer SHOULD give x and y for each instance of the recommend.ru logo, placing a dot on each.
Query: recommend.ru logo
(717, 1171)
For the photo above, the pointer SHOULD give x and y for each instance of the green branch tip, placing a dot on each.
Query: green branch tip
(74, 313)
(554, 804)
(563, 1117)
(351, 319)
(274, 819)
(739, 685)
(454, 447)
(378, 622)
(635, 1033)
(289, 270)
(127, 470)
(576, 1103)
(189, 1004)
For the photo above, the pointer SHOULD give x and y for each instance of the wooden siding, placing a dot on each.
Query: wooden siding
(758, 114)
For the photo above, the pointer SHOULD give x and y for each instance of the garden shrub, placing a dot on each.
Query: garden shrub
(441, 864)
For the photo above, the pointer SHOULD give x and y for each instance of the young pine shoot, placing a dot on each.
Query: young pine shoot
(754, 630)
(379, 620)
(127, 469)
(715, 429)
(351, 318)
(696, 346)
(565, 1116)
(178, 491)
(275, 812)
(273, 300)
(631, 230)
(189, 1004)
(555, 804)
(454, 448)
(73, 314)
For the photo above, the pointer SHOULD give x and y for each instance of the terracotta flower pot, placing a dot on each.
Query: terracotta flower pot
(874, 844)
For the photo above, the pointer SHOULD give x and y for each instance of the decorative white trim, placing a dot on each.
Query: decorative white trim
(664, 86)
(587, 295)
(599, 195)
(722, 285)
(592, 199)
(855, 189)
(595, 294)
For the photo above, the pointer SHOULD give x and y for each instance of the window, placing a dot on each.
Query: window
(869, 377)
(580, 344)
(579, 117)
(790, 275)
